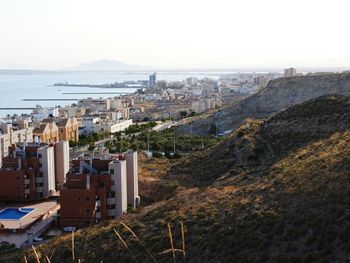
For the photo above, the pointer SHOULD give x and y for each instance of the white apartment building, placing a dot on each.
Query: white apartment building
(62, 162)
(117, 170)
(14, 133)
(69, 112)
(40, 113)
(226, 91)
(46, 183)
(112, 127)
(87, 125)
(133, 197)
(290, 72)
(95, 104)
(198, 106)
(116, 104)
(205, 104)
(95, 124)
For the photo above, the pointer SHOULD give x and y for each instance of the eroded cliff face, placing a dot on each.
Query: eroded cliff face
(277, 96)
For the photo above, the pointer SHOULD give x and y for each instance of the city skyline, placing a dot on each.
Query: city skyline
(187, 34)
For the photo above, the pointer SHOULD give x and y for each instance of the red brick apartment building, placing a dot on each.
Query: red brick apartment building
(99, 189)
(31, 171)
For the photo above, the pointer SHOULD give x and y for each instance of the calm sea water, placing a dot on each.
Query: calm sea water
(15, 88)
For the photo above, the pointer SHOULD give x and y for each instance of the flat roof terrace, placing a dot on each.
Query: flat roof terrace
(37, 220)
(40, 209)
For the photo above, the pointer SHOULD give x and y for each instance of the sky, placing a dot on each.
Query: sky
(53, 34)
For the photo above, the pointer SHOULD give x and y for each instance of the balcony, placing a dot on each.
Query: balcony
(26, 181)
(27, 191)
(39, 180)
(39, 189)
(98, 215)
(110, 201)
(111, 212)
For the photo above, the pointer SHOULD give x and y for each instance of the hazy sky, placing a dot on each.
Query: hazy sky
(50, 34)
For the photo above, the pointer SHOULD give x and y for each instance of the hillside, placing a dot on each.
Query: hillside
(276, 190)
(280, 94)
(257, 144)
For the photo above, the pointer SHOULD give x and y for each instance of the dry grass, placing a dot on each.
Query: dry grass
(36, 255)
(183, 239)
(139, 240)
(125, 245)
(170, 235)
(73, 255)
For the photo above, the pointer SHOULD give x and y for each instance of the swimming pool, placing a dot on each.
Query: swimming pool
(14, 213)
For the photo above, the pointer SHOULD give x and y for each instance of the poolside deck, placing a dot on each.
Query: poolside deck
(15, 231)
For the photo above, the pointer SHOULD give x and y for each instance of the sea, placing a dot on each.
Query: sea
(14, 88)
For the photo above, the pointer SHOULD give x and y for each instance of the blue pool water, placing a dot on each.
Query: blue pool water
(14, 213)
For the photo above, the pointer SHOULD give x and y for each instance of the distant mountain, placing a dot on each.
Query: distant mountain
(108, 65)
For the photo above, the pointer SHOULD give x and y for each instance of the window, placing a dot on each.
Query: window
(87, 211)
(111, 171)
(111, 194)
(39, 155)
(87, 199)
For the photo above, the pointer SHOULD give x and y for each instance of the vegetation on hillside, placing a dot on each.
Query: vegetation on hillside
(276, 190)
(162, 141)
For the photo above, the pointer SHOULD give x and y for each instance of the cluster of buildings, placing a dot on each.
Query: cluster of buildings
(98, 189)
(40, 185)
(53, 124)
(90, 115)
(167, 99)
(41, 178)
(45, 186)
(33, 171)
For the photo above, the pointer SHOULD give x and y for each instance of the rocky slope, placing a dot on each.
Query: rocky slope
(257, 144)
(278, 95)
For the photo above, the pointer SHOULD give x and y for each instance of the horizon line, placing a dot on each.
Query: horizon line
(204, 69)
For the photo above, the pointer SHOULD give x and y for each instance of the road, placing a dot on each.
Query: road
(164, 126)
